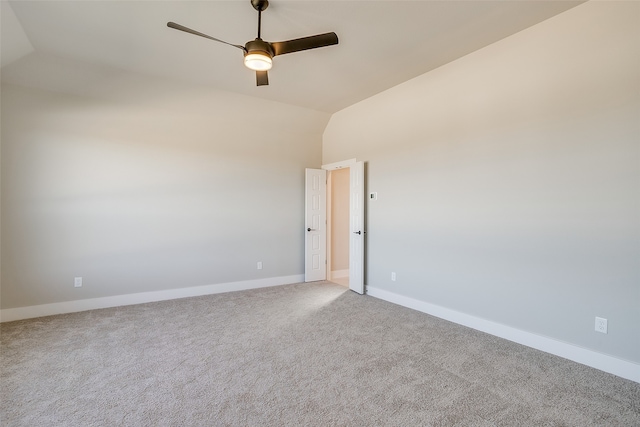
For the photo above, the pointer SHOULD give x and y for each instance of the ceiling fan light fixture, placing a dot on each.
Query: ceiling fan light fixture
(258, 61)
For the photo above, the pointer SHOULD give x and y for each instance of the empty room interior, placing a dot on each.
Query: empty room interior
(473, 258)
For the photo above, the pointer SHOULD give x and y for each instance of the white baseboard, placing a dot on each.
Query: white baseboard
(337, 274)
(10, 314)
(603, 362)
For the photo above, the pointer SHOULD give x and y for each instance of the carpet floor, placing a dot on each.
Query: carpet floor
(305, 354)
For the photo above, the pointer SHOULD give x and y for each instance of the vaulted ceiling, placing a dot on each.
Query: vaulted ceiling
(58, 44)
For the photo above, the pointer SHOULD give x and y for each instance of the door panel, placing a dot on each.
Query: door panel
(356, 218)
(315, 225)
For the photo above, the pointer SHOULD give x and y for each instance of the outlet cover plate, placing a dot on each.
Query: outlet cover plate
(601, 325)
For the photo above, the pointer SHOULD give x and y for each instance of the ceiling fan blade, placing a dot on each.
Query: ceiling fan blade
(190, 31)
(305, 43)
(262, 78)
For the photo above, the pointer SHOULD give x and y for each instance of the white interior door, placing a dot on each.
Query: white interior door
(315, 241)
(356, 219)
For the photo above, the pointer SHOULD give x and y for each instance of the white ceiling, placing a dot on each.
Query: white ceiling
(382, 43)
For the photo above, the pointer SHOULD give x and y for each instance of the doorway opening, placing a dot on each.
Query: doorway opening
(338, 190)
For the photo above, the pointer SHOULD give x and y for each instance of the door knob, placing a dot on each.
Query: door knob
(310, 229)
(357, 232)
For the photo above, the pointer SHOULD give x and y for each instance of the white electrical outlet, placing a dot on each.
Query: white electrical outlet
(601, 325)
(259, 265)
(393, 276)
(77, 282)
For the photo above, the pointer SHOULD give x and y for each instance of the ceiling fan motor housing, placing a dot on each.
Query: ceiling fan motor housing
(259, 46)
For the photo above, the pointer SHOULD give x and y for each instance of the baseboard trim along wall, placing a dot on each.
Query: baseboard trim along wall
(11, 314)
(337, 274)
(603, 362)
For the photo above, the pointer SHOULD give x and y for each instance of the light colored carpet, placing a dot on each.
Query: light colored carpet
(305, 354)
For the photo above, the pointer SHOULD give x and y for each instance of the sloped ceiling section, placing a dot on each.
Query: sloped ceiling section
(382, 43)
(14, 42)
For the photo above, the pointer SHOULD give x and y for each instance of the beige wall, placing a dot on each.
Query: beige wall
(509, 180)
(340, 219)
(149, 186)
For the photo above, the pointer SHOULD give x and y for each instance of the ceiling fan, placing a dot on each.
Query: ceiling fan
(258, 54)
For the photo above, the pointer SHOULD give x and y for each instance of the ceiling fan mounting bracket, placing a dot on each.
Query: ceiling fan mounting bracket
(260, 5)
